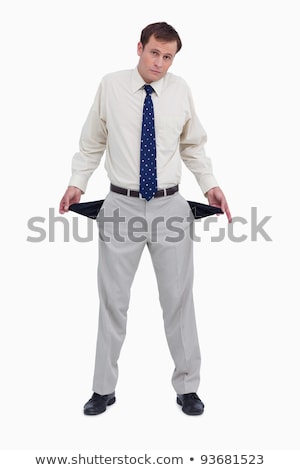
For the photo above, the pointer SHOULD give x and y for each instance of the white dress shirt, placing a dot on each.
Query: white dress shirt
(114, 125)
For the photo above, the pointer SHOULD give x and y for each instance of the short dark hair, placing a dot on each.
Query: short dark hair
(162, 32)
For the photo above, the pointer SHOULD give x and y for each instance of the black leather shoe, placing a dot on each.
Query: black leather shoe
(191, 403)
(98, 403)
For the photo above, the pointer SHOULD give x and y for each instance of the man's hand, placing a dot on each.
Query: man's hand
(71, 196)
(216, 198)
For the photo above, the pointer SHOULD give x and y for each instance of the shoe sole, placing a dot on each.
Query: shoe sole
(179, 402)
(93, 413)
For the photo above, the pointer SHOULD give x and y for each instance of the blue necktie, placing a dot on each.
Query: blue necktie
(148, 175)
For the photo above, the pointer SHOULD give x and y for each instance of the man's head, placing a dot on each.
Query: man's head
(157, 48)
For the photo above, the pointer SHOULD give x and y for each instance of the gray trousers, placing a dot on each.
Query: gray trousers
(126, 224)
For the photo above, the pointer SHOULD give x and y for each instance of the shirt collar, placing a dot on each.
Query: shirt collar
(138, 83)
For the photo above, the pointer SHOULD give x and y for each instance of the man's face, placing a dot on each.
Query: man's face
(155, 58)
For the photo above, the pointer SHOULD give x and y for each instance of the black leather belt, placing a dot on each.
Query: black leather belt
(132, 193)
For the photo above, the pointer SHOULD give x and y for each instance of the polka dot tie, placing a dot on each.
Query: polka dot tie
(148, 175)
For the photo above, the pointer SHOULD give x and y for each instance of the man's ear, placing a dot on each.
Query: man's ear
(139, 48)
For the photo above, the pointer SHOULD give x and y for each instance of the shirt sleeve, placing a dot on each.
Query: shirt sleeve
(192, 150)
(92, 144)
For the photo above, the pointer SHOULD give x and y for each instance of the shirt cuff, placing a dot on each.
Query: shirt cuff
(207, 182)
(78, 181)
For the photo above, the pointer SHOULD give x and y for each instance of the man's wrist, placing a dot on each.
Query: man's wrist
(206, 194)
(76, 187)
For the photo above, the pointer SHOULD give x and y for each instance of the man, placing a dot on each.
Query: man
(145, 121)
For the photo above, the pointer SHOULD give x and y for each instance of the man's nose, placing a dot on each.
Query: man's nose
(158, 61)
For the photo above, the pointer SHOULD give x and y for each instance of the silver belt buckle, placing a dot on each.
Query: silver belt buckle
(165, 192)
(128, 192)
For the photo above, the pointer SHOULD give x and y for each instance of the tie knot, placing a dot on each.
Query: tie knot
(148, 89)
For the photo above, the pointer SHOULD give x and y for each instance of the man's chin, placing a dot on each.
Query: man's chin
(155, 76)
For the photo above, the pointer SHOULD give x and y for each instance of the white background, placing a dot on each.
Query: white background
(241, 59)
